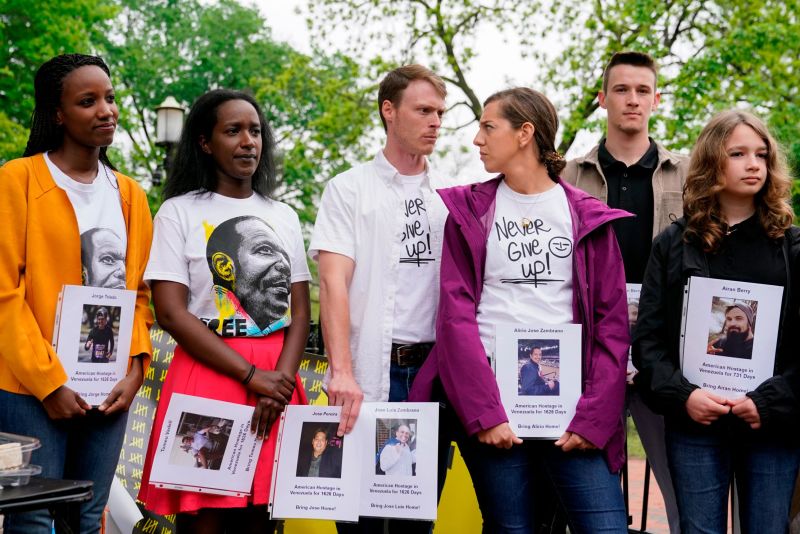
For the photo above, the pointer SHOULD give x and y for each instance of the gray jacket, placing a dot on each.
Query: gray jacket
(585, 173)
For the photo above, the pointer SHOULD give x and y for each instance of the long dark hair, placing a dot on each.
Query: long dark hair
(194, 170)
(48, 86)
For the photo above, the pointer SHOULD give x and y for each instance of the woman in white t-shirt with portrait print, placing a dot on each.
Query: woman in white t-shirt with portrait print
(528, 248)
(230, 284)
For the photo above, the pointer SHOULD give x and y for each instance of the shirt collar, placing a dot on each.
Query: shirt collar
(648, 161)
(388, 172)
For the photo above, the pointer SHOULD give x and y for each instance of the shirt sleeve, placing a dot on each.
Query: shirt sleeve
(167, 253)
(334, 229)
(297, 251)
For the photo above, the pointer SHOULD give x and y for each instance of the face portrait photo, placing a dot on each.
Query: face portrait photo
(102, 259)
(246, 257)
(633, 314)
(733, 327)
(320, 452)
(99, 334)
(538, 366)
(201, 441)
(396, 447)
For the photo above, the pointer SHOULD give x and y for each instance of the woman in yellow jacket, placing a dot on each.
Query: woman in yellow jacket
(69, 219)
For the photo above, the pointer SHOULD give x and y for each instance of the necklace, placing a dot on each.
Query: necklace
(525, 221)
(525, 215)
(110, 181)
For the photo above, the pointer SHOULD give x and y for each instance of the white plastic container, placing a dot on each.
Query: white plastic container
(20, 457)
(18, 477)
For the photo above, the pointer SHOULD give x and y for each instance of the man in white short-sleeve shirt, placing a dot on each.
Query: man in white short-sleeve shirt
(378, 241)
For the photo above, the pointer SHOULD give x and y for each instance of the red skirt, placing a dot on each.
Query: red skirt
(187, 375)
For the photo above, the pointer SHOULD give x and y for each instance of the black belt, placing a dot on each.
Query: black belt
(410, 355)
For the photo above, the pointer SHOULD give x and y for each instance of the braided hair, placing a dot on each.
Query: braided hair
(48, 87)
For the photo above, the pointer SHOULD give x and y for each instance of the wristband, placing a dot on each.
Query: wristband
(250, 374)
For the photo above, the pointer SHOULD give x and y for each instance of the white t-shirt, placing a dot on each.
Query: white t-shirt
(104, 237)
(528, 274)
(414, 308)
(238, 257)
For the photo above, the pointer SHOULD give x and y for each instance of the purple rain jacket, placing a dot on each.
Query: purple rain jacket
(599, 303)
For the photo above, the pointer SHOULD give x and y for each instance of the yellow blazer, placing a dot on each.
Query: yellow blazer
(40, 251)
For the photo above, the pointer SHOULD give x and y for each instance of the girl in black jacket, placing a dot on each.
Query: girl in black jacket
(737, 225)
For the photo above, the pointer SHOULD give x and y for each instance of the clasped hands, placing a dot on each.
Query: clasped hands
(502, 437)
(705, 407)
(274, 390)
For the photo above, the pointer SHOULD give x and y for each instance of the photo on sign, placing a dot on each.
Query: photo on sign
(732, 327)
(200, 441)
(99, 333)
(320, 452)
(633, 314)
(538, 366)
(396, 447)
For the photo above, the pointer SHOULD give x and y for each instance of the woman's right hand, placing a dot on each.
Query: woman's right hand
(500, 436)
(704, 407)
(64, 403)
(276, 385)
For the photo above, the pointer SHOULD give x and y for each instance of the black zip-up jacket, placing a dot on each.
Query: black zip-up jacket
(656, 340)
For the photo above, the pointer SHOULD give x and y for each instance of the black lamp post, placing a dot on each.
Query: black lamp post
(169, 123)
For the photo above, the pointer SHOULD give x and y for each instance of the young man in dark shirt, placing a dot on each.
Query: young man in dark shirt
(631, 171)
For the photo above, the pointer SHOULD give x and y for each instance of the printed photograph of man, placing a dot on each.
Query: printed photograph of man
(248, 263)
(320, 451)
(738, 329)
(102, 259)
(397, 452)
(99, 331)
(537, 376)
(201, 441)
(633, 315)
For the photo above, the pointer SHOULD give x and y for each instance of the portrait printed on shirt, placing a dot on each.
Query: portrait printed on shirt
(538, 366)
(733, 327)
(396, 447)
(320, 452)
(416, 237)
(99, 334)
(201, 441)
(251, 275)
(102, 259)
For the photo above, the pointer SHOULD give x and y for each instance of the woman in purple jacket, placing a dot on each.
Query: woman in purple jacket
(483, 284)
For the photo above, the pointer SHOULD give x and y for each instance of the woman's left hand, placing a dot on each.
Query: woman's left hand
(745, 409)
(571, 440)
(121, 396)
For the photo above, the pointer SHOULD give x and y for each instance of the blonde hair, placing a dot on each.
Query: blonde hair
(706, 179)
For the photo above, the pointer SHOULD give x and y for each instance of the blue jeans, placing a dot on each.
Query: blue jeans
(505, 483)
(85, 448)
(400, 380)
(702, 467)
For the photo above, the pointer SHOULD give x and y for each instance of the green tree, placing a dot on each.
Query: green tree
(31, 34)
(714, 54)
(184, 48)
(315, 103)
(440, 33)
